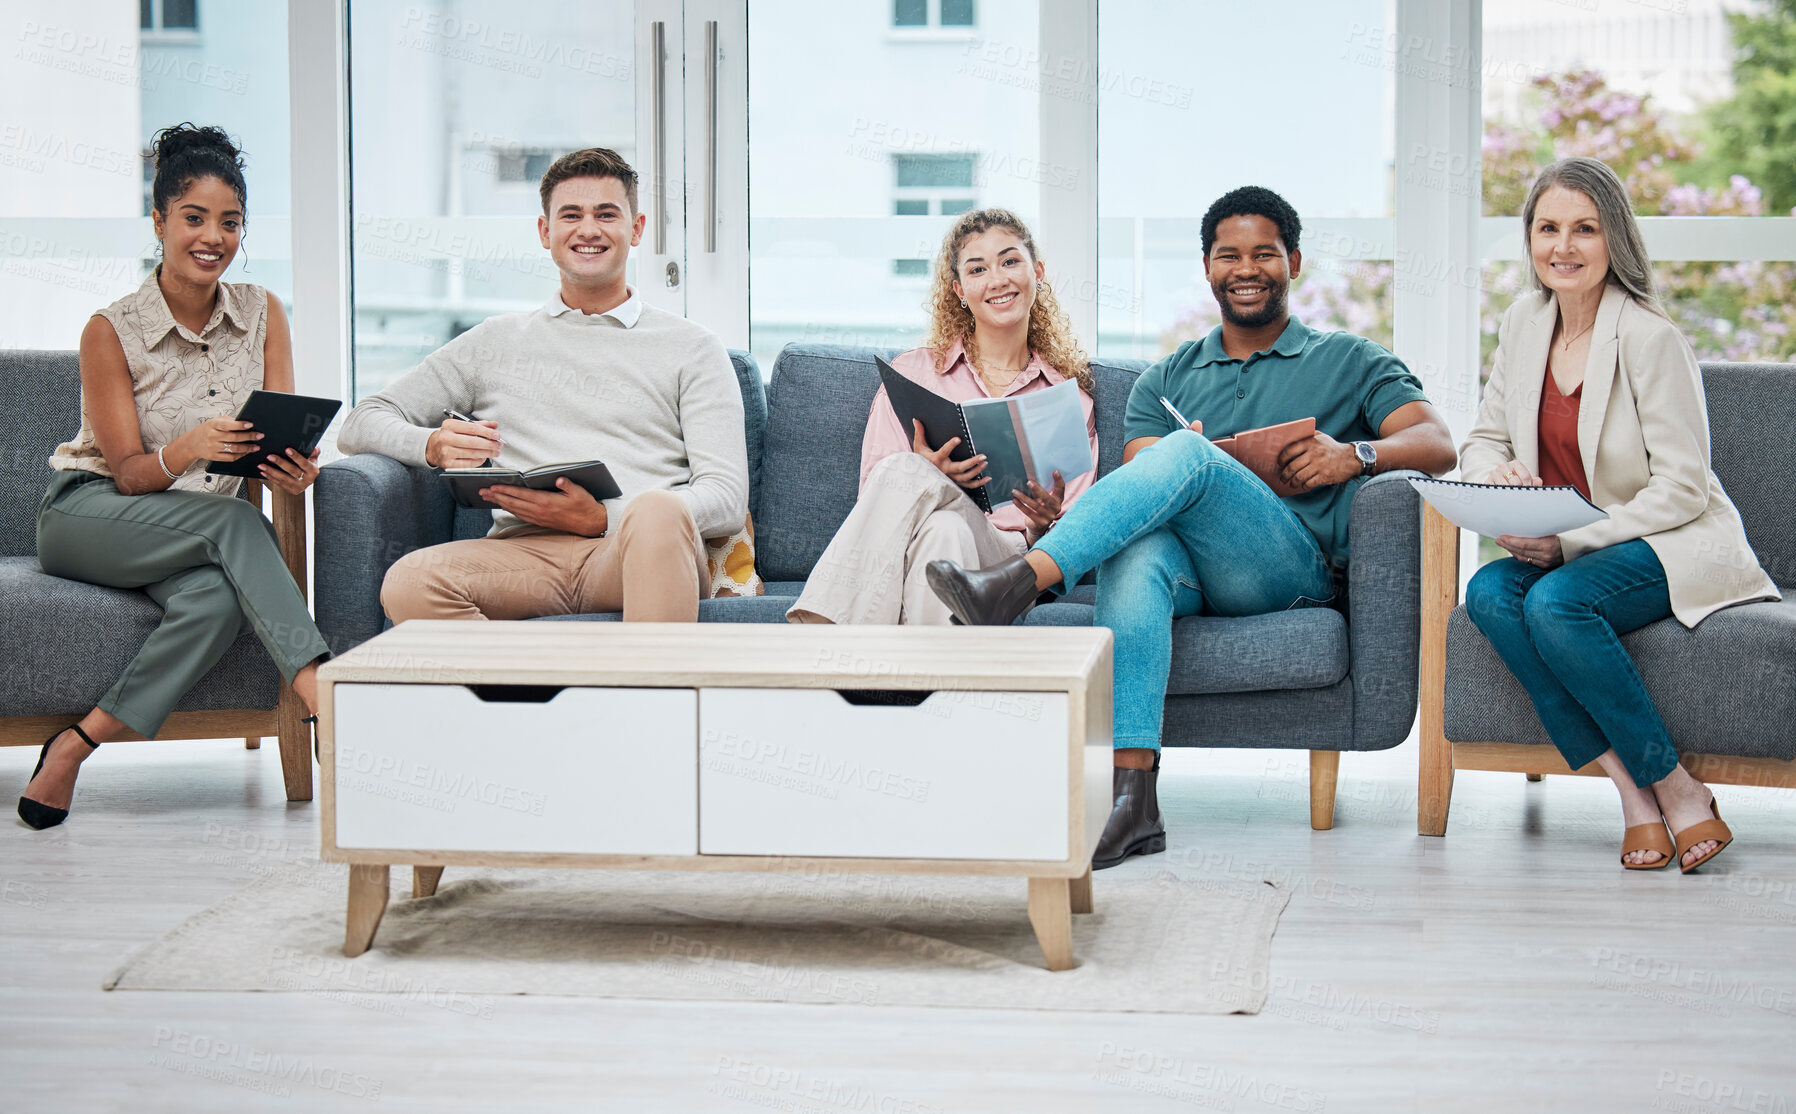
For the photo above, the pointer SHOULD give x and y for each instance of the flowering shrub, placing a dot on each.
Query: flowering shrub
(1728, 311)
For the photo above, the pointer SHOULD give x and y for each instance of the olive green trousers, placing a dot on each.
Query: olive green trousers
(210, 561)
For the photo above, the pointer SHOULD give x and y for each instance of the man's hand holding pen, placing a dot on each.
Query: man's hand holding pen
(462, 441)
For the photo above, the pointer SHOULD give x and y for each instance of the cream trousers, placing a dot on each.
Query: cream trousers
(908, 515)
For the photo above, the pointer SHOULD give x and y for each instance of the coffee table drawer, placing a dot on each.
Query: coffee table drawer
(592, 770)
(964, 775)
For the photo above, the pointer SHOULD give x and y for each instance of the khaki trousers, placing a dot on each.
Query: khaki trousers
(908, 515)
(650, 567)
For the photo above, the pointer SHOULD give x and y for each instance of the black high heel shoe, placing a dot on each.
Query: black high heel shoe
(313, 720)
(36, 813)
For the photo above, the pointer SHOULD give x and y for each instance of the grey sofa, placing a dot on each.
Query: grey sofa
(1726, 690)
(65, 642)
(1321, 680)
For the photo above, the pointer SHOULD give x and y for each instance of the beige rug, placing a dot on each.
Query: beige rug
(1157, 942)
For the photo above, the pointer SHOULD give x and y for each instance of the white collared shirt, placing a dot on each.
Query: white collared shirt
(625, 313)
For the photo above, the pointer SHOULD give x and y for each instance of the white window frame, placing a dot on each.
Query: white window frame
(159, 35)
(1436, 325)
(931, 30)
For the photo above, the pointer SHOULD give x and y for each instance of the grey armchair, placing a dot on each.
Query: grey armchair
(66, 641)
(1727, 690)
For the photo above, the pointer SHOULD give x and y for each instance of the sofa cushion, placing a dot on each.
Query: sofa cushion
(66, 642)
(817, 403)
(1300, 649)
(1754, 455)
(45, 389)
(1727, 687)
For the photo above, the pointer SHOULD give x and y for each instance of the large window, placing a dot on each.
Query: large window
(1679, 99)
(851, 192)
(456, 110)
(75, 232)
(1186, 114)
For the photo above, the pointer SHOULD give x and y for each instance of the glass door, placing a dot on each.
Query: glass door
(872, 128)
(456, 108)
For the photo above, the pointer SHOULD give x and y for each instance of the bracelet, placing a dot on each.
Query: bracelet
(163, 464)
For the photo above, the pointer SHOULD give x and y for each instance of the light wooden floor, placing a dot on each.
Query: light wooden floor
(1511, 966)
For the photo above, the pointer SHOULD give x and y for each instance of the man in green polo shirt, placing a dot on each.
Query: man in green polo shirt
(1183, 528)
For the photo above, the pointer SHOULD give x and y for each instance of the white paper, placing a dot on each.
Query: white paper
(1494, 510)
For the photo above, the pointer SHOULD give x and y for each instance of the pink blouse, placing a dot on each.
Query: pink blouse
(886, 434)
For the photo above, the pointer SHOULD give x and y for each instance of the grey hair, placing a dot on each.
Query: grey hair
(1628, 264)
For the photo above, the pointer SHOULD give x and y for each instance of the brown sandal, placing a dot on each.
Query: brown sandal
(1715, 829)
(1647, 837)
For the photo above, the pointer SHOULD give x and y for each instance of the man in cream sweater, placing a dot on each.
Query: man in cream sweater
(593, 375)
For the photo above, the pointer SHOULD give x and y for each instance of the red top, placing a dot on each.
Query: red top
(1559, 459)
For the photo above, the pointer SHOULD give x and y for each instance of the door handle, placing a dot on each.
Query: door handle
(710, 135)
(658, 127)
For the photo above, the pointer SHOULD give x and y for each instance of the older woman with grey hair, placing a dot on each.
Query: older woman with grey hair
(1593, 386)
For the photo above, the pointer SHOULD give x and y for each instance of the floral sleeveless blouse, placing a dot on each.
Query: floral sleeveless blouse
(180, 379)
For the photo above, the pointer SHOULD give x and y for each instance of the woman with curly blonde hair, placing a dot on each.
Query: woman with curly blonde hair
(995, 330)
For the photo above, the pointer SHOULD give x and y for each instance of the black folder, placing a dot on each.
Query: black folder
(941, 420)
(285, 422)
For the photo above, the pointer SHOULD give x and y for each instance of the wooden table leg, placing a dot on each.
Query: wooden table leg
(425, 879)
(1079, 892)
(367, 901)
(1051, 915)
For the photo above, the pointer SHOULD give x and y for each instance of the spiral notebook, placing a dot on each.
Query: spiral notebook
(1495, 510)
(1025, 436)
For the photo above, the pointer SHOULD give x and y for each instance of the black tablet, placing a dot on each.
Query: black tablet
(285, 422)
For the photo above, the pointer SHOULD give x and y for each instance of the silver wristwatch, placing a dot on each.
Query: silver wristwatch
(1368, 456)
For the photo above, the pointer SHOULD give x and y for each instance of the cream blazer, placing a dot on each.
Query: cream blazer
(1643, 435)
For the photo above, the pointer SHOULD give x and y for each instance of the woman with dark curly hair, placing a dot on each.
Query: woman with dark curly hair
(131, 505)
(995, 330)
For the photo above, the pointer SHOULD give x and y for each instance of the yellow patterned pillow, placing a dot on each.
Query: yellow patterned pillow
(731, 562)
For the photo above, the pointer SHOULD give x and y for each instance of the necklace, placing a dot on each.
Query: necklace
(1565, 345)
(982, 371)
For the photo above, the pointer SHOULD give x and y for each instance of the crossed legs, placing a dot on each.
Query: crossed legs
(1559, 633)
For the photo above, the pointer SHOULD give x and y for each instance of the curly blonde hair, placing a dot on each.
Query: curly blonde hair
(1050, 334)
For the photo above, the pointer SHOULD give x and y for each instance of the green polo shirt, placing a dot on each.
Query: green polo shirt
(1347, 383)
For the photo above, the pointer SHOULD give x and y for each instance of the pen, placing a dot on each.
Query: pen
(457, 415)
(1183, 421)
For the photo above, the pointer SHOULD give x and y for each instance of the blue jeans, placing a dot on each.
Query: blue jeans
(1559, 632)
(1182, 529)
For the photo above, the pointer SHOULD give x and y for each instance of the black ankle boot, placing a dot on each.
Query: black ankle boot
(1135, 827)
(993, 597)
(36, 813)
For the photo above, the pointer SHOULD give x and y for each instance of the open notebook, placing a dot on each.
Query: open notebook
(1027, 436)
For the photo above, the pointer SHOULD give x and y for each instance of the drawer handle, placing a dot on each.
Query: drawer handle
(516, 694)
(897, 698)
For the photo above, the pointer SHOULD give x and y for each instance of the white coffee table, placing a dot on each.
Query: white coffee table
(660, 746)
